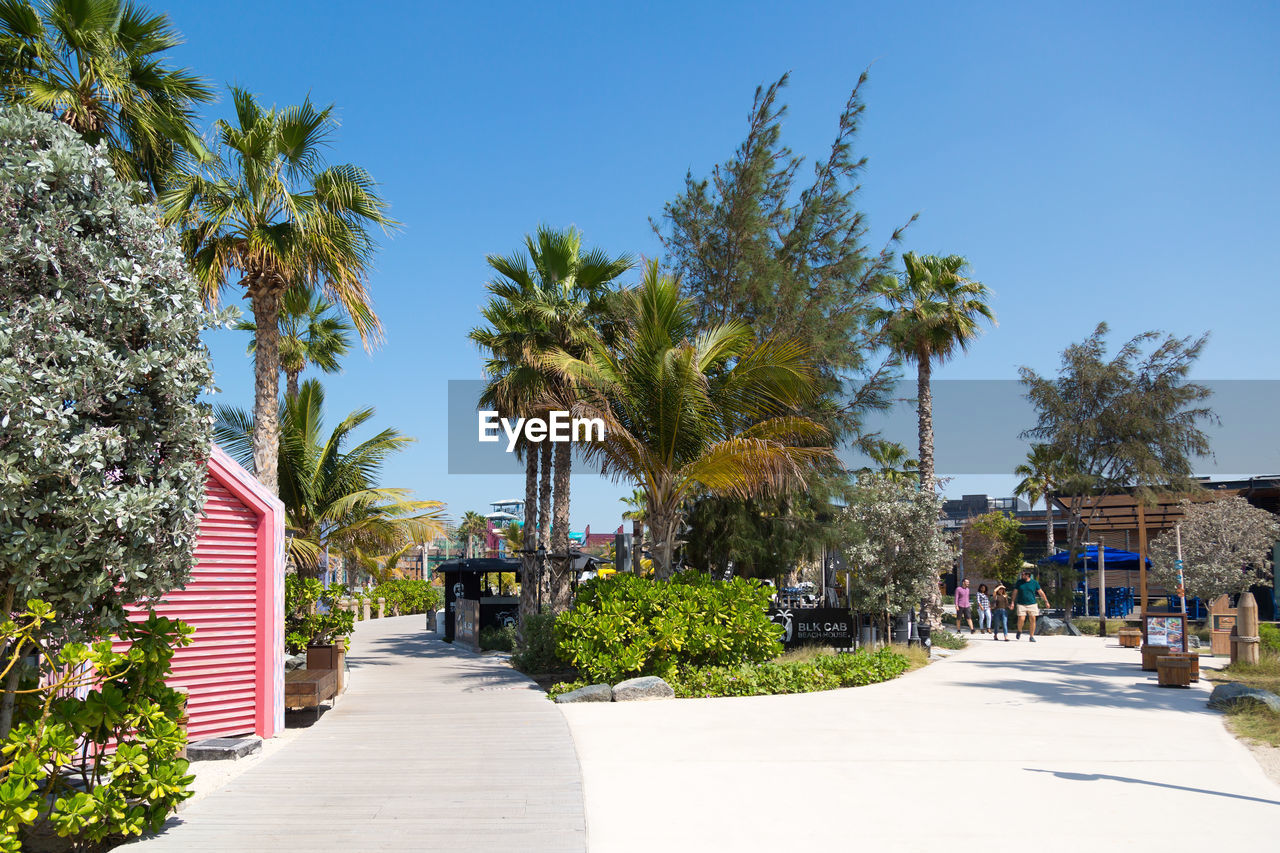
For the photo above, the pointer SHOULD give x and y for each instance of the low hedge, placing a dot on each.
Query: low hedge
(823, 672)
(405, 596)
(624, 626)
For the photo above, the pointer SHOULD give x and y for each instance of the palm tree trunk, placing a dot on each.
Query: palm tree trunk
(264, 299)
(562, 565)
(637, 544)
(662, 529)
(544, 518)
(1048, 522)
(529, 559)
(925, 394)
(291, 383)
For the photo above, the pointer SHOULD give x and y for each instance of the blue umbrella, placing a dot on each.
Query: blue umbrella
(1115, 557)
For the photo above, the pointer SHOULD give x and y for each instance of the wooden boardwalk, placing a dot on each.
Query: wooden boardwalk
(431, 748)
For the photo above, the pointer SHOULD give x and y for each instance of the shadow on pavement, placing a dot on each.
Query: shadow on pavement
(1091, 684)
(1095, 777)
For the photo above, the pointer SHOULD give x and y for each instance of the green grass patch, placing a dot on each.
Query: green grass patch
(1264, 674)
(1255, 721)
(1089, 625)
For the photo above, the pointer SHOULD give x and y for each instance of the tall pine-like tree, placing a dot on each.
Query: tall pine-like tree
(757, 242)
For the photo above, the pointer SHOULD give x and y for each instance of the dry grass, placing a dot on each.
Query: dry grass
(915, 655)
(1264, 674)
(1253, 720)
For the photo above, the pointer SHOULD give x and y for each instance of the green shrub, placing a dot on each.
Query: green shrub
(1089, 625)
(304, 624)
(947, 640)
(103, 433)
(76, 700)
(822, 672)
(623, 626)
(500, 639)
(1270, 635)
(536, 651)
(406, 595)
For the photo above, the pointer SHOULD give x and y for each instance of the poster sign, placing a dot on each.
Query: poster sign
(1167, 629)
(1224, 622)
(466, 630)
(805, 626)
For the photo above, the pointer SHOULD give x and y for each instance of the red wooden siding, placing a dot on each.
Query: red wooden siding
(220, 602)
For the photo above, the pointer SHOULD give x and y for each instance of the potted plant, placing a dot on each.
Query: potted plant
(314, 622)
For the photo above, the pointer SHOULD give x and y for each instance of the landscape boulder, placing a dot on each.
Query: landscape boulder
(642, 688)
(1225, 696)
(1047, 625)
(590, 693)
(292, 662)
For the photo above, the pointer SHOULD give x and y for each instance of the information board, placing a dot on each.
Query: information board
(1166, 629)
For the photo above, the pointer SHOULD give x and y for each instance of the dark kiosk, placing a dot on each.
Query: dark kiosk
(480, 580)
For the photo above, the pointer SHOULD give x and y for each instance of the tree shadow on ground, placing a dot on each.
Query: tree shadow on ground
(1097, 777)
(1090, 684)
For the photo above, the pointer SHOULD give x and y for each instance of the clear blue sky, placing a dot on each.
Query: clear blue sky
(1092, 160)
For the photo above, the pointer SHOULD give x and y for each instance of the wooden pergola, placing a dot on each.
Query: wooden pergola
(1118, 513)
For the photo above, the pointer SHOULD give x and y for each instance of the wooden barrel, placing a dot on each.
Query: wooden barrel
(1130, 638)
(1193, 658)
(1173, 671)
(1149, 655)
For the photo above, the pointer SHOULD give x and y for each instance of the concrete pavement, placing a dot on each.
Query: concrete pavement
(431, 748)
(1066, 743)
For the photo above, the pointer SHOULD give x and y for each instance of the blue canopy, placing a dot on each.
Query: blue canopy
(1115, 559)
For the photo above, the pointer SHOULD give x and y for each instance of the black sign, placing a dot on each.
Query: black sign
(806, 626)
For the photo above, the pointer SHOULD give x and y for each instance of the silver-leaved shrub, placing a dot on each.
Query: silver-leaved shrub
(102, 439)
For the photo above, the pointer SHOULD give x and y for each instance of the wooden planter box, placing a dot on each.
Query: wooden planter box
(1150, 654)
(1192, 658)
(332, 657)
(1173, 671)
(1130, 638)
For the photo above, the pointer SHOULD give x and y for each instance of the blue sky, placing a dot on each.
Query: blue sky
(1094, 161)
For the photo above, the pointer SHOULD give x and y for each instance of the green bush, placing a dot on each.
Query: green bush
(536, 652)
(624, 626)
(1270, 635)
(304, 624)
(946, 640)
(103, 435)
(405, 595)
(823, 672)
(499, 639)
(1089, 625)
(76, 700)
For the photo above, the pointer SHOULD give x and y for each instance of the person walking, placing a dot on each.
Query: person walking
(963, 610)
(984, 609)
(1026, 596)
(1000, 613)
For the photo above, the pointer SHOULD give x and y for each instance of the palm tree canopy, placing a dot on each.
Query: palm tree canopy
(98, 65)
(552, 296)
(331, 494)
(1041, 474)
(933, 310)
(310, 333)
(268, 213)
(688, 410)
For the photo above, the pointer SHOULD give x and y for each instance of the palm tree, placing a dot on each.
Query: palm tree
(310, 333)
(98, 66)
(267, 215)
(637, 516)
(381, 569)
(893, 464)
(932, 312)
(473, 525)
(553, 297)
(1041, 475)
(333, 503)
(691, 411)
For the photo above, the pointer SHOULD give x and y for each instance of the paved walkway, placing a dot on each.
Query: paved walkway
(1061, 745)
(431, 748)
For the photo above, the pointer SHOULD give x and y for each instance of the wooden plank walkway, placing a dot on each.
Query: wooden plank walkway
(431, 748)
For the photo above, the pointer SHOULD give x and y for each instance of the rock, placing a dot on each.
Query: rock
(292, 662)
(1224, 696)
(1193, 642)
(1046, 625)
(590, 693)
(641, 689)
(223, 748)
